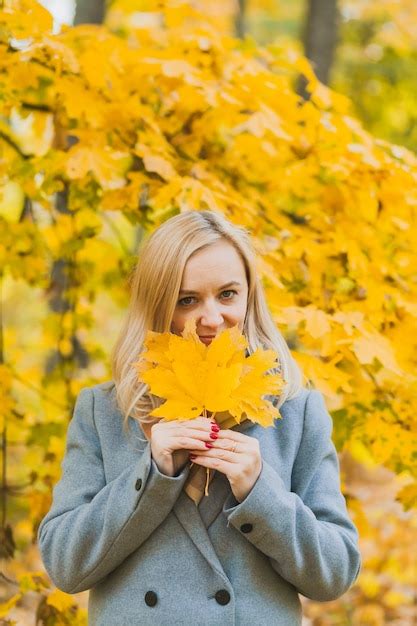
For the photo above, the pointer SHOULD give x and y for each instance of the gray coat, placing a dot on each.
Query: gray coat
(150, 557)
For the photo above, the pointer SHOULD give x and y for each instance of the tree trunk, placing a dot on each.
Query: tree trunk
(62, 281)
(89, 11)
(320, 36)
(240, 26)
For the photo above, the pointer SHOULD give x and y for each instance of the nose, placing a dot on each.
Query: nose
(211, 316)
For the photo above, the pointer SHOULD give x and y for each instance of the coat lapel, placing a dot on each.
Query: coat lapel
(189, 517)
(211, 506)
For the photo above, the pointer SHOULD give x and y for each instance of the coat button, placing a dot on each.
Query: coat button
(138, 484)
(246, 528)
(151, 598)
(222, 596)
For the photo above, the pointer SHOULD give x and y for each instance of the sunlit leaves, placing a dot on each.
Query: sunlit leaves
(22, 19)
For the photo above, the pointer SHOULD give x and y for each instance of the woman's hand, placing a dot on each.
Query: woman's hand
(171, 442)
(237, 456)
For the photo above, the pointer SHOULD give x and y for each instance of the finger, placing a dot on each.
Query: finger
(183, 430)
(199, 423)
(227, 446)
(226, 467)
(207, 433)
(216, 453)
(224, 443)
(234, 436)
(187, 443)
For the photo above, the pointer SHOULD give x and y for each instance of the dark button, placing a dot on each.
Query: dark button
(222, 596)
(151, 598)
(246, 528)
(138, 484)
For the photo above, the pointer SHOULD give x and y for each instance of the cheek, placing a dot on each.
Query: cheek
(238, 313)
(178, 322)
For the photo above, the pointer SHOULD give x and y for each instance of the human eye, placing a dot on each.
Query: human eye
(232, 293)
(185, 301)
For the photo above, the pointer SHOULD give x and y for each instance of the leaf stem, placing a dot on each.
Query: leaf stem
(206, 491)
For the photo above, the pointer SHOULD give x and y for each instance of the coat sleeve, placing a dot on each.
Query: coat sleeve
(93, 526)
(306, 532)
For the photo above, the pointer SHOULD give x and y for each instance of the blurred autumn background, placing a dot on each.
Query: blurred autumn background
(296, 118)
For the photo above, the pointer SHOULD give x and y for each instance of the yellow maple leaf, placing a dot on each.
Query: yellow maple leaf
(408, 496)
(194, 378)
(107, 166)
(155, 163)
(60, 600)
(372, 346)
(252, 385)
(25, 18)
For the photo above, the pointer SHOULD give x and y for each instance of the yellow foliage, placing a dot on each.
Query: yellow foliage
(6, 606)
(370, 585)
(174, 115)
(11, 201)
(60, 600)
(24, 18)
(33, 581)
(107, 166)
(194, 378)
(33, 132)
(408, 495)
(396, 598)
(369, 615)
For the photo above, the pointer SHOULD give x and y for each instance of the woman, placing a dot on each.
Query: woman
(129, 520)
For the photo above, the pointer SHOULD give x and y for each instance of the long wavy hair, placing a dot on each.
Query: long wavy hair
(155, 283)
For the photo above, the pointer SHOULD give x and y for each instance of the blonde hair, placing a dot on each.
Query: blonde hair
(154, 284)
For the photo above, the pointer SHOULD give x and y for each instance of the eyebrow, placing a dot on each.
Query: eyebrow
(231, 284)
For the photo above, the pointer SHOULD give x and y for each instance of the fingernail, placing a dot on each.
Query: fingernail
(208, 444)
(193, 456)
(215, 429)
(213, 436)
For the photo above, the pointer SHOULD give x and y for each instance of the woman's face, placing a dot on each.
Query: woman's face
(214, 291)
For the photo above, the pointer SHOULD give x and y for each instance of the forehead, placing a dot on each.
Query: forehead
(218, 261)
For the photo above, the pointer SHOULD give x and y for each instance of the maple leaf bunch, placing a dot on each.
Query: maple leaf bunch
(194, 378)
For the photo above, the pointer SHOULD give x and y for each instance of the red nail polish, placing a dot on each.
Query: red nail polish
(208, 444)
(213, 436)
(215, 428)
(193, 456)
